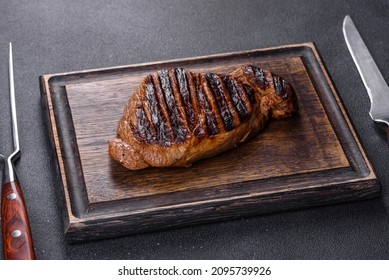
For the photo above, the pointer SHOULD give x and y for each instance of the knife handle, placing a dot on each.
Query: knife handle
(16, 232)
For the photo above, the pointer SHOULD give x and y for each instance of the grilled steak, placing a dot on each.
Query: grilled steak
(176, 117)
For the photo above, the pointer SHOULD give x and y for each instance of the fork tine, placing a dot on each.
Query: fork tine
(15, 132)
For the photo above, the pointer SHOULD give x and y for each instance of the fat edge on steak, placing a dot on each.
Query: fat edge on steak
(177, 117)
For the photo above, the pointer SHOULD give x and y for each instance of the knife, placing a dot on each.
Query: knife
(15, 227)
(372, 78)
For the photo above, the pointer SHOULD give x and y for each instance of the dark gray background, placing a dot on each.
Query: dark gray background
(61, 36)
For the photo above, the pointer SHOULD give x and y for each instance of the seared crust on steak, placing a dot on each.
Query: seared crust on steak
(177, 117)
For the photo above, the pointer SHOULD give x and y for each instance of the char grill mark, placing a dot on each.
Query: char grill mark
(136, 133)
(258, 75)
(219, 94)
(155, 104)
(178, 125)
(205, 107)
(236, 97)
(247, 96)
(192, 120)
(280, 87)
(145, 132)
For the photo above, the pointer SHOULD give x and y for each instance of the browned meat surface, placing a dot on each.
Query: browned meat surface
(177, 117)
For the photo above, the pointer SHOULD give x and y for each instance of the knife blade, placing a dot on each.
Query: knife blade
(372, 78)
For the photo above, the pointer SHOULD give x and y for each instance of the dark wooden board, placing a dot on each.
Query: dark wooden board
(313, 158)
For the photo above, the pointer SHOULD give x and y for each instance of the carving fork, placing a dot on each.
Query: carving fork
(15, 227)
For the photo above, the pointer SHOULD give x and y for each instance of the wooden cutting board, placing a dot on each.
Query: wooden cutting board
(313, 158)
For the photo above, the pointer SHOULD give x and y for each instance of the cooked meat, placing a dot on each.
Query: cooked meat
(177, 117)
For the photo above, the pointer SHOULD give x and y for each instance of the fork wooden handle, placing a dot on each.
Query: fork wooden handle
(17, 241)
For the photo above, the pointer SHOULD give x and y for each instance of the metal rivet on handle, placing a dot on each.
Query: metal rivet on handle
(16, 233)
(11, 196)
